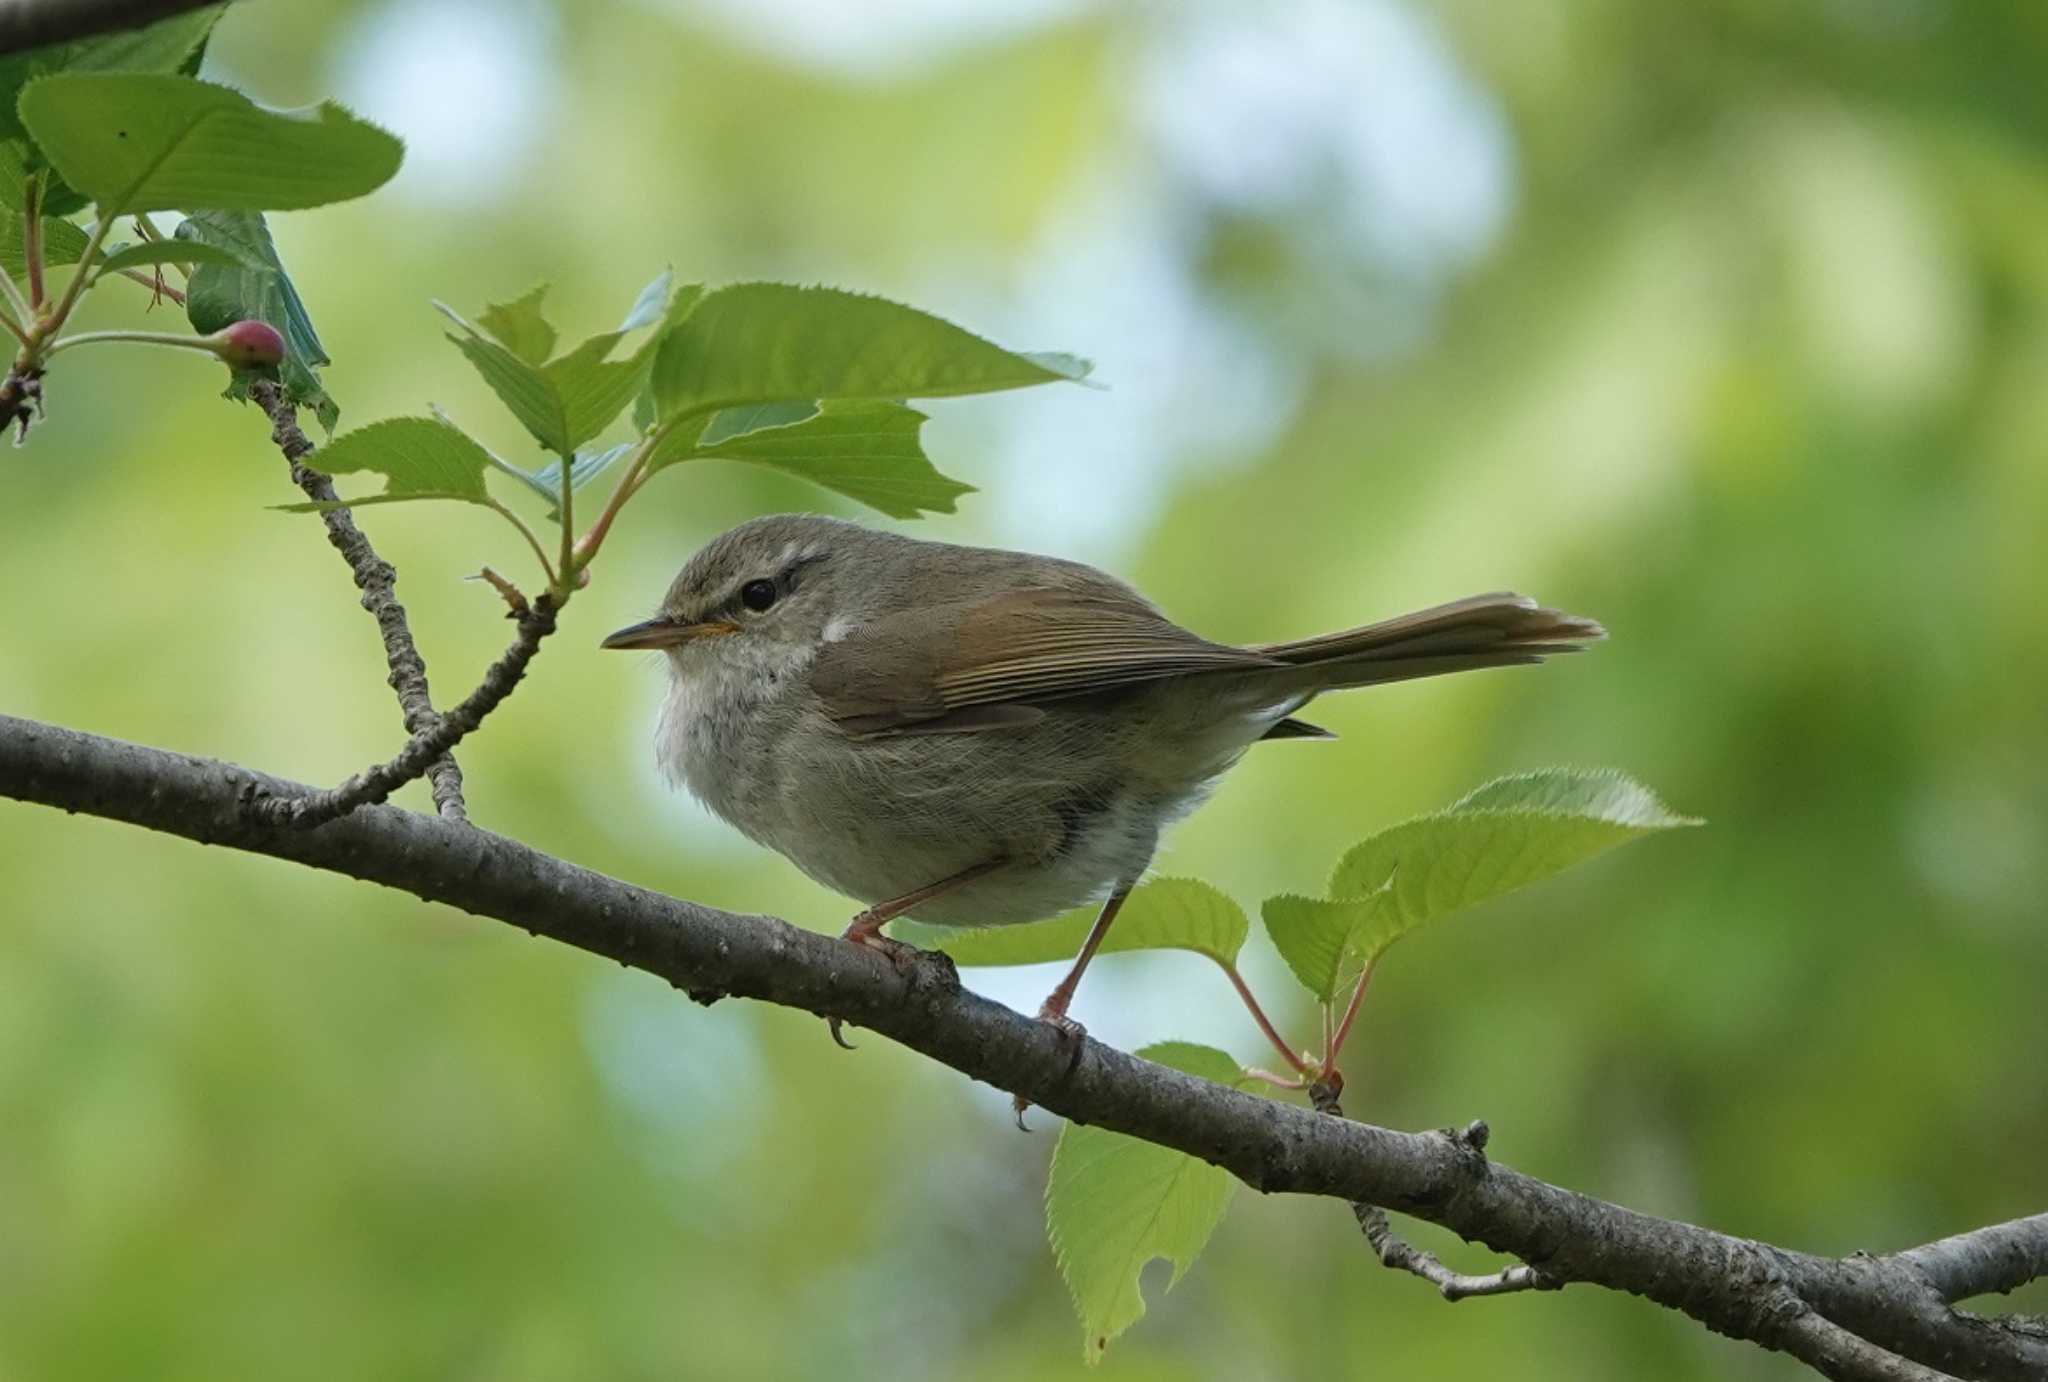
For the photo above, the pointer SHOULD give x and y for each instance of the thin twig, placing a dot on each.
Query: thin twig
(378, 582)
(1396, 1252)
(155, 283)
(374, 784)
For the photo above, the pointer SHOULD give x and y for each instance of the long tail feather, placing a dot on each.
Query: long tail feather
(1497, 630)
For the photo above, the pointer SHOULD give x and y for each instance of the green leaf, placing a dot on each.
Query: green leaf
(520, 327)
(152, 252)
(169, 45)
(136, 141)
(547, 481)
(1161, 914)
(737, 422)
(63, 242)
(1504, 836)
(1316, 936)
(566, 401)
(772, 342)
(865, 451)
(255, 287)
(420, 458)
(1113, 1203)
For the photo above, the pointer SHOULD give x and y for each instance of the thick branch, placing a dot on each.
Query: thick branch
(33, 23)
(379, 584)
(1732, 1285)
(1987, 1261)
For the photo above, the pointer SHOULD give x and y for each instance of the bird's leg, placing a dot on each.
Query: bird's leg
(1053, 1011)
(866, 928)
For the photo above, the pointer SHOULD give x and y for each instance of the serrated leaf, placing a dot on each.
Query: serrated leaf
(520, 327)
(63, 242)
(136, 141)
(1505, 835)
(1160, 914)
(149, 253)
(1312, 934)
(770, 342)
(169, 45)
(419, 457)
(570, 399)
(737, 422)
(1113, 1203)
(256, 287)
(865, 451)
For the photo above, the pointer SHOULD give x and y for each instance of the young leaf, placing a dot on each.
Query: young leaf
(547, 481)
(1113, 1203)
(255, 287)
(520, 327)
(865, 451)
(63, 242)
(135, 141)
(568, 400)
(420, 458)
(148, 253)
(1162, 914)
(1319, 937)
(1505, 835)
(770, 342)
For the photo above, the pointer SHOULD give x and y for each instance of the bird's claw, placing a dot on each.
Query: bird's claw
(1073, 1037)
(866, 930)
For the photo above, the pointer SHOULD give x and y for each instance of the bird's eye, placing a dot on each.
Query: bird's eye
(757, 595)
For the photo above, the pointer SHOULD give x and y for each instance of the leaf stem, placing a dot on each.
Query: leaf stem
(585, 549)
(164, 338)
(32, 237)
(77, 285)
(1265, 1024)
(7, 316)
(531, 541)
(22, 313)
(566, 504)
(1336, 1043)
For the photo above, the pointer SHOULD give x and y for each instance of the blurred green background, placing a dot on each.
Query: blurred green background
(1726, 323)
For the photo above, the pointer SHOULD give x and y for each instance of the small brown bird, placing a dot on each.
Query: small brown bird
(978, 737)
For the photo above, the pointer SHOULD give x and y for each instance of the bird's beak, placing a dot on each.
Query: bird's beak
(667, 633)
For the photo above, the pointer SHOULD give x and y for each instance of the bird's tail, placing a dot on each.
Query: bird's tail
(1498, 630)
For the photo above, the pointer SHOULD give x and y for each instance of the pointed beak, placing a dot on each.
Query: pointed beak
(666, 633)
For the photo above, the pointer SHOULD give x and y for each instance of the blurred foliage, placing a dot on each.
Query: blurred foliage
(1748, 366)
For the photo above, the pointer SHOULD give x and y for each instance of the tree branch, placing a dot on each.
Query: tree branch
(1859, 1317)
(1399, 1254)
(379, 584)
(34, 23)
(303, 808)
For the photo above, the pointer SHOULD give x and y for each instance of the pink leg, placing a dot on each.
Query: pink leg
(1054, 1010)
(866, 928)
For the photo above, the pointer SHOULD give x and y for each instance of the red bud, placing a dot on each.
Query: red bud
(248, 345)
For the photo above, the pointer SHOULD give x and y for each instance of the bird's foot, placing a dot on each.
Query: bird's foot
(866, 929)
(1072, 1037)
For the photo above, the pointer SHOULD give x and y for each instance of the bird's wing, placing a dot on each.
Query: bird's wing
(989, 663)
